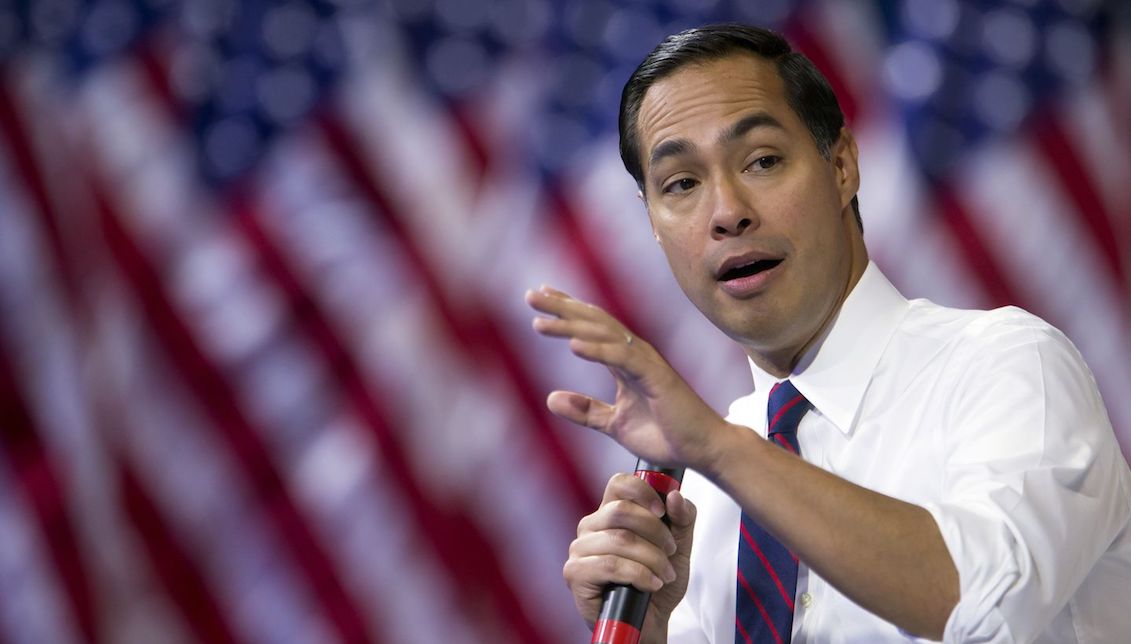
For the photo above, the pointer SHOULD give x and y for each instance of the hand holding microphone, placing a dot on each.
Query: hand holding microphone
(624, 607)
(627, 543)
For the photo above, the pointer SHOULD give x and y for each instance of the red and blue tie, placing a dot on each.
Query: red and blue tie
(767, 570)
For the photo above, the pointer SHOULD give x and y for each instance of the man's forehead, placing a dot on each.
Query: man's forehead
(720, 92)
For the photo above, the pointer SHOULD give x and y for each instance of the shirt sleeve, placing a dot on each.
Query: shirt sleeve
(1033, 478)
(685, 626)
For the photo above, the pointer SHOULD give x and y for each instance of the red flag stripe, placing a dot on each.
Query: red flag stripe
(18, 434)
(164, 557)
(208, 384)
(1062, 156)
(173, 566)
(14, 130)
(477, 148)
(41, 484)
(588, 258)
(454, 537)
(474, 328)
(974, 249)
(804, 40)
(572, 232)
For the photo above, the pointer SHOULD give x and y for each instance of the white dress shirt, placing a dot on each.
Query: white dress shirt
(988, 419)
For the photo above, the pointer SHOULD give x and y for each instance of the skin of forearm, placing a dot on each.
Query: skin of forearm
(885, 554)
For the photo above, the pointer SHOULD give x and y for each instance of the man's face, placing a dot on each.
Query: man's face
(755, 223)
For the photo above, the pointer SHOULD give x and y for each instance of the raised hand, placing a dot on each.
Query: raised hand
(655, 414)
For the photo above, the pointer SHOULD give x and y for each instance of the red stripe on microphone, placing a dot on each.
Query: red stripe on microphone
(607, 631)
(659, 481)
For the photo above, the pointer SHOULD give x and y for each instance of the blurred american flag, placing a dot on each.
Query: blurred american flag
(266, 374)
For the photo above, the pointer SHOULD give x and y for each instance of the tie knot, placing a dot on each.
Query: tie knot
(786, 408)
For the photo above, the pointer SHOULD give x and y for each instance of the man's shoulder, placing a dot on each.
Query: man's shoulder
(978, 330)
(946, 345)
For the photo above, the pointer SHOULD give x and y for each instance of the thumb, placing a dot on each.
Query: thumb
(580, 409)
(681, 515)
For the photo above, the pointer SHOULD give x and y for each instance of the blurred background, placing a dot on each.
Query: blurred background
(266, 373)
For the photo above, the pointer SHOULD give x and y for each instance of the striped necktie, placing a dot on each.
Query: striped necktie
(767, 570)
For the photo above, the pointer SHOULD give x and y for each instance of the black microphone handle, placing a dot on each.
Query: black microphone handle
(624, 607)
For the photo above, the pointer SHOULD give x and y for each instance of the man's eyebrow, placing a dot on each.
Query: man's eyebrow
(739, 129)
(747, 123)
(671, 148)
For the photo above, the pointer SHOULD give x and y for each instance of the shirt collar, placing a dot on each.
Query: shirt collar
(835, 372)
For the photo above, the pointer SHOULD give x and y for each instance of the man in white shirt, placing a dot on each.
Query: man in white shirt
(958, 478)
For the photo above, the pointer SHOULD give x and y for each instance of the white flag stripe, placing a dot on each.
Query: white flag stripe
(34, 598)
(184, 466)
(236, 318)
(1053, 261)
(309, 256)
(1090, 122)
(475, 434)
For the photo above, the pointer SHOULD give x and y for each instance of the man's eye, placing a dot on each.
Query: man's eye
(766, 162)
(682, 185)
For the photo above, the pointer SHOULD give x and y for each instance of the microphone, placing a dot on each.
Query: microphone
(623, 607)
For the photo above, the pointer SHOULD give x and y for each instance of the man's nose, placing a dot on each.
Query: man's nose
(732, 213)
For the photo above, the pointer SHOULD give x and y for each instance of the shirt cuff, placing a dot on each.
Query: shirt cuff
(985, 552)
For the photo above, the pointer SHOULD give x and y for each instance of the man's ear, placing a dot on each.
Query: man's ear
(648, 211)
(845, 158)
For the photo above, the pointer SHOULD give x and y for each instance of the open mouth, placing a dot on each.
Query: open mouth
(746, 270)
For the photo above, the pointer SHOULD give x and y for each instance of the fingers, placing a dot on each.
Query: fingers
(628, 487)
(619, 557)
(580, 409)
(681, 512)
(593, 334)
(630, 503)
(681, 518)
(557, 303)
(582, 329)
(624, 541)
(589, 322)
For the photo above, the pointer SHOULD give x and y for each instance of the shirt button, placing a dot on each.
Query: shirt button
(806, 600)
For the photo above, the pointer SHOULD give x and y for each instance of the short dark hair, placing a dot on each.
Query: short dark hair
(807, 91)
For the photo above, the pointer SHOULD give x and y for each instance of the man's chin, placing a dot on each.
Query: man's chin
(752, 334)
